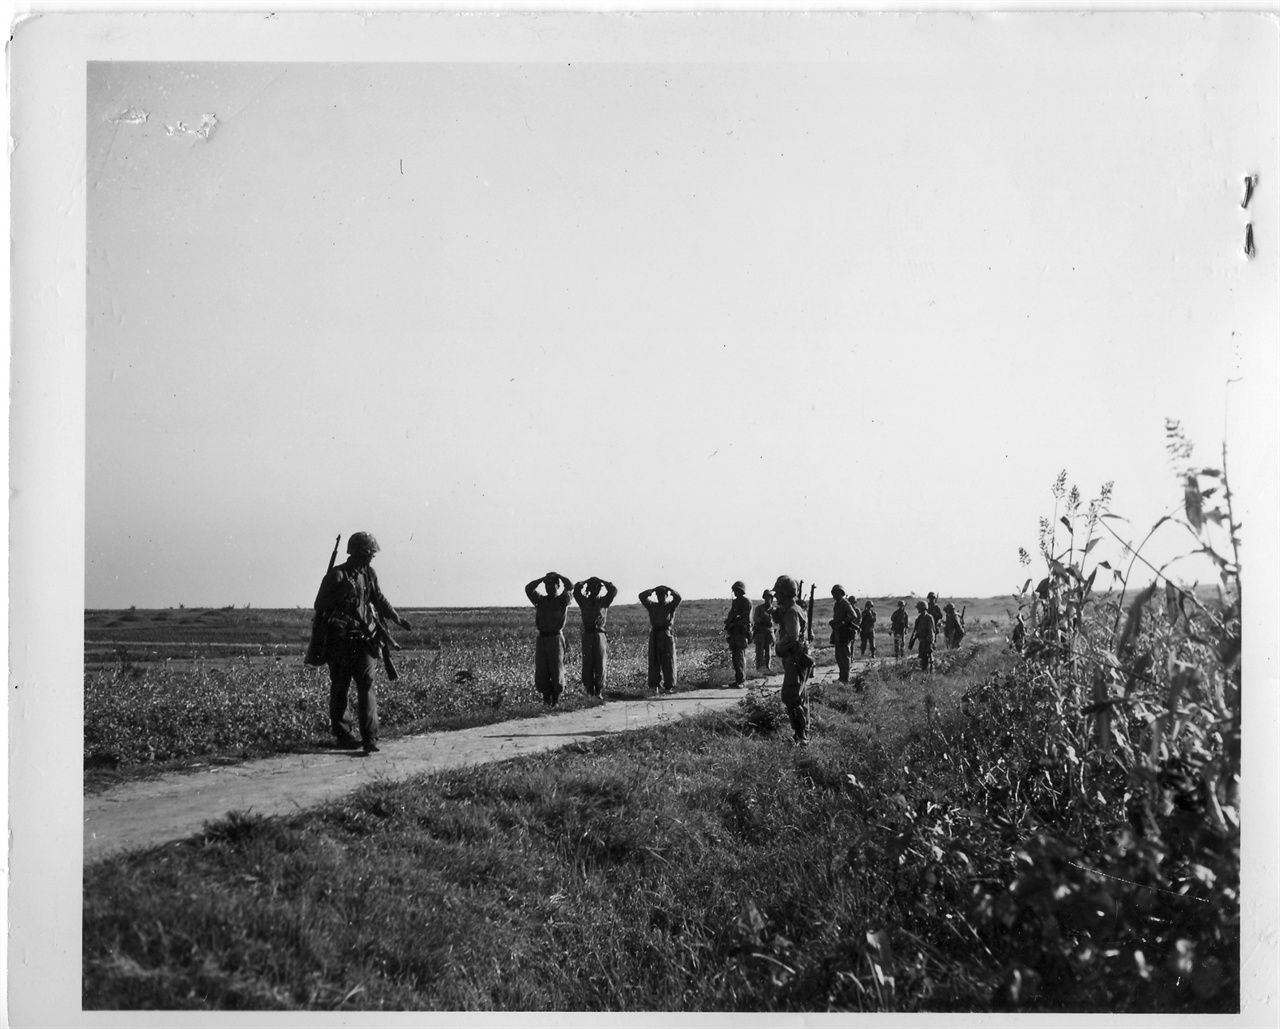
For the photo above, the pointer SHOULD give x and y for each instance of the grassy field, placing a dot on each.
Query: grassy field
(898, 864)
(190, 686)
(1052, 830)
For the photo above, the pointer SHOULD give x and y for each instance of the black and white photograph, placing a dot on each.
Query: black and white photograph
(635, 512)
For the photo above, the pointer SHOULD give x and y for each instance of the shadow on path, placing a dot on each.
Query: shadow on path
(530, 735)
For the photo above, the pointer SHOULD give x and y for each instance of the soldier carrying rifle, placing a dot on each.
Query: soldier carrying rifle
(793, 648)
(935, 612)
(924, 632)
(844, 630)
(351, 635)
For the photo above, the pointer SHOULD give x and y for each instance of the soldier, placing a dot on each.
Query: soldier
(868, 626)
(762, 630)
(794, 651)
(662, 641)
(1019, 633)
(924, 632)
(352, 608)
(737, 626)
(595, 650)
(954, 628)
(935, 613)
(898, 624)
(548, 659)
(844, 630)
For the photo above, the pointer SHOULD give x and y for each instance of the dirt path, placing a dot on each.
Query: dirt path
(151, 812)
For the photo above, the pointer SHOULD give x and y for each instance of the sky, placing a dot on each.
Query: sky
(665, 321)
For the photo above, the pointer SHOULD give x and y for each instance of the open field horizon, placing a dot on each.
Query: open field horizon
(152, 634)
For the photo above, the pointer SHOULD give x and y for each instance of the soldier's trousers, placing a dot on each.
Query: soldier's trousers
(764, 651)
(926, 656)
(795, 696)
(868, 638)
(844, 653)
(899, 645)
(548, 666)
(344, 666)
(738, 657)
(595, 657)
(662, 659)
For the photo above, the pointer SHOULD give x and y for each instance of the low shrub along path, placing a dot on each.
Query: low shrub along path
(151, 812)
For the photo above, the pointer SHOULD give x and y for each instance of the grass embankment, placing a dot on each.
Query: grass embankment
(707, 865)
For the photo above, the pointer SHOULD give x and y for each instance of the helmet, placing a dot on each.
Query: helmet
(739, 585)
(933, 596)
(948, 607)
(921, 606)
(787, 585)
(767, 595)
(868, 604)
(362, 543)
(902, 603)
(837, 588)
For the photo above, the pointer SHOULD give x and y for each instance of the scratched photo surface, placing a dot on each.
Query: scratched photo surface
(842, 303)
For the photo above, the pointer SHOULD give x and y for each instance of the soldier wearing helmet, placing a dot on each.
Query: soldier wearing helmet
(762, 630)
(352, 607)
(737, 626)
(794, 651)
(595, 650)
(549, 616)
(935, 612)
(868, 629)
(898, 626)
(662, 641)
(844, 630)
(924, 632)
(953, 629)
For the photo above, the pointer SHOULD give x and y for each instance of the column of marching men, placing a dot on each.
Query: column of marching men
(349, 635)
(780, 627)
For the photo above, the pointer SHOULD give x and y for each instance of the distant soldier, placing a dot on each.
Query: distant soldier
(868, 629)
(737, 626)
(935, 612)
(844, 630)
(762, 631)
(794, 651)
(1043, 613)
(1019, 633)
(352, 608)
(924, 632)
(953, 629)
(662, 641)
(549, 616)
(898, 625)
(595, 609)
